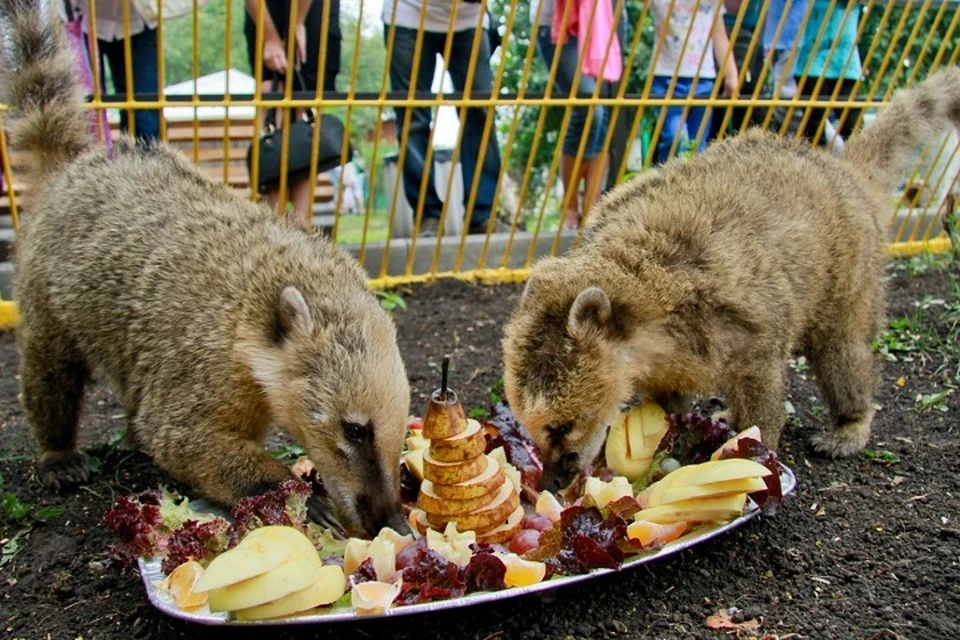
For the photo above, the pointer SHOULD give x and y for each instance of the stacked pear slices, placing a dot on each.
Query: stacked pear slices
(275, 571)
(461, 484)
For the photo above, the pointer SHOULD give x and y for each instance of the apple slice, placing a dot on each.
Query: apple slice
(354, 554)
(520, 572)
(618, 454)
(414, 460)
(384, 556)
(294, 575)
(464, 446)
(696, 510)
(244, 563)
(483, 485)
(373, 596)
(548, 505)
(741, 485)
(451, 472)
(604, 493)
(650, 533)
(416, 441)
(330, 586)
(731, 444)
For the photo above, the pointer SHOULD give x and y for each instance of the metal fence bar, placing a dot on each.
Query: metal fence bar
(899, 43)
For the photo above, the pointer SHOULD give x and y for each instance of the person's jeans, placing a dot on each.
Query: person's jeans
(418, 132)
(143, 49)
(563, 80)
(674, 122)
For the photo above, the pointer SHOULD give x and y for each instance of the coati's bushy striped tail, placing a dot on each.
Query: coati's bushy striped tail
(887, 148)
(38, 81)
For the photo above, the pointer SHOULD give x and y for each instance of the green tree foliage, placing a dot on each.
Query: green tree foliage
(920, 20)
(179, 45)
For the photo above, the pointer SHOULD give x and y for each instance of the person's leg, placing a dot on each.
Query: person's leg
(111, 57)
(697, 115)
(143, 50)
(317, 56)
(562, 79)
(672, 119)
(300, 214)
(595, 159)
(461, 54)
(418, 132)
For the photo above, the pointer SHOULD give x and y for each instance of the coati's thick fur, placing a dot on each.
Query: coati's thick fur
(708, 275)
(210, 319)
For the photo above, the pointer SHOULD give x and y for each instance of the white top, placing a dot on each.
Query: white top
(699, 45)
(438, 14)
(110, 20)
(546, 17)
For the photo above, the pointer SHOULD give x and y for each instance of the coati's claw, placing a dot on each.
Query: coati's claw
(322, 514)
(62, 469)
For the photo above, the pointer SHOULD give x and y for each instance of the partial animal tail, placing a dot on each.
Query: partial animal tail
(887, 149)
(38, 81)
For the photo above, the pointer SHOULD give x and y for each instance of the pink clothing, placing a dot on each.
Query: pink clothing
(74, 32)
(601, 35)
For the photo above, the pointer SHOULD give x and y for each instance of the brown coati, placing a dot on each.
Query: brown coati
(707, 275)
(210, 319)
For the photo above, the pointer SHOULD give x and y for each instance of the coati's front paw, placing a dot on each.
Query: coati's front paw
(61, 469)
(321, 512)
(842, 442)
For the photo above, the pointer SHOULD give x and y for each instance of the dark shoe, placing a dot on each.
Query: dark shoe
(480, 227)
(429, 227)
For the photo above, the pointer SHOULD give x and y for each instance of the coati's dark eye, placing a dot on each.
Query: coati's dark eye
(558, 432)
(356, 433)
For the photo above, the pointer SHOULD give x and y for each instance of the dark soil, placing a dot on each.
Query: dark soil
(865, 548)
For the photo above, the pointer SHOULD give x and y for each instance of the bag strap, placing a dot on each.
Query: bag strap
(298, 80)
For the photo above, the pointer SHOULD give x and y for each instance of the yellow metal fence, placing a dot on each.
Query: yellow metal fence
(510, 107)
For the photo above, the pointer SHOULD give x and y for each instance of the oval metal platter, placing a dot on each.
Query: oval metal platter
(151, 574)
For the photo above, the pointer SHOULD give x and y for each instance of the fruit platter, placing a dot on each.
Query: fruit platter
(482, 529)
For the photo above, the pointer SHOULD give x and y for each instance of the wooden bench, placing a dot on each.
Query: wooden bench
(203, 146)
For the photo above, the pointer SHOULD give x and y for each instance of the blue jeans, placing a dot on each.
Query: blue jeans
(674, 122)
(143, 49)
(418, 133)
(566, 71)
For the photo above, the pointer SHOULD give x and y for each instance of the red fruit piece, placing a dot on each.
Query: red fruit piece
(524, 540)
(537, 522)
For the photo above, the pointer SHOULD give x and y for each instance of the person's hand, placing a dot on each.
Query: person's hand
(274, 55)
(731, 83)
(301, 42)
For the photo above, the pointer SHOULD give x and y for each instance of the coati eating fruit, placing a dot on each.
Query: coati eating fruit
(209, 318)
(707, 275)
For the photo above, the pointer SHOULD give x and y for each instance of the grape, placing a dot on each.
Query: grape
(537, 522)
(524, 540)
(669, 465)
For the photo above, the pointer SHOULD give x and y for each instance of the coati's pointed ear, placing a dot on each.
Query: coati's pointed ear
(293, 314)
(590, 312)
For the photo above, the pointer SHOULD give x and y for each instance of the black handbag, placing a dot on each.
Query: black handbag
(299, 145)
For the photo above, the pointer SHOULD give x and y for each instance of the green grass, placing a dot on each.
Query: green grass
(350, 229)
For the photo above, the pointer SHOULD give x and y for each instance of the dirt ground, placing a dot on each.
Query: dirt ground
(865, 548)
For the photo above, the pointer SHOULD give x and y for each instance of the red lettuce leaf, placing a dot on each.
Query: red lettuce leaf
(363, 573)
(519, 447)
(285, 505)
(430, 577)
(692, 438)
(135, 520)
(484, 572)
(196, 541)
